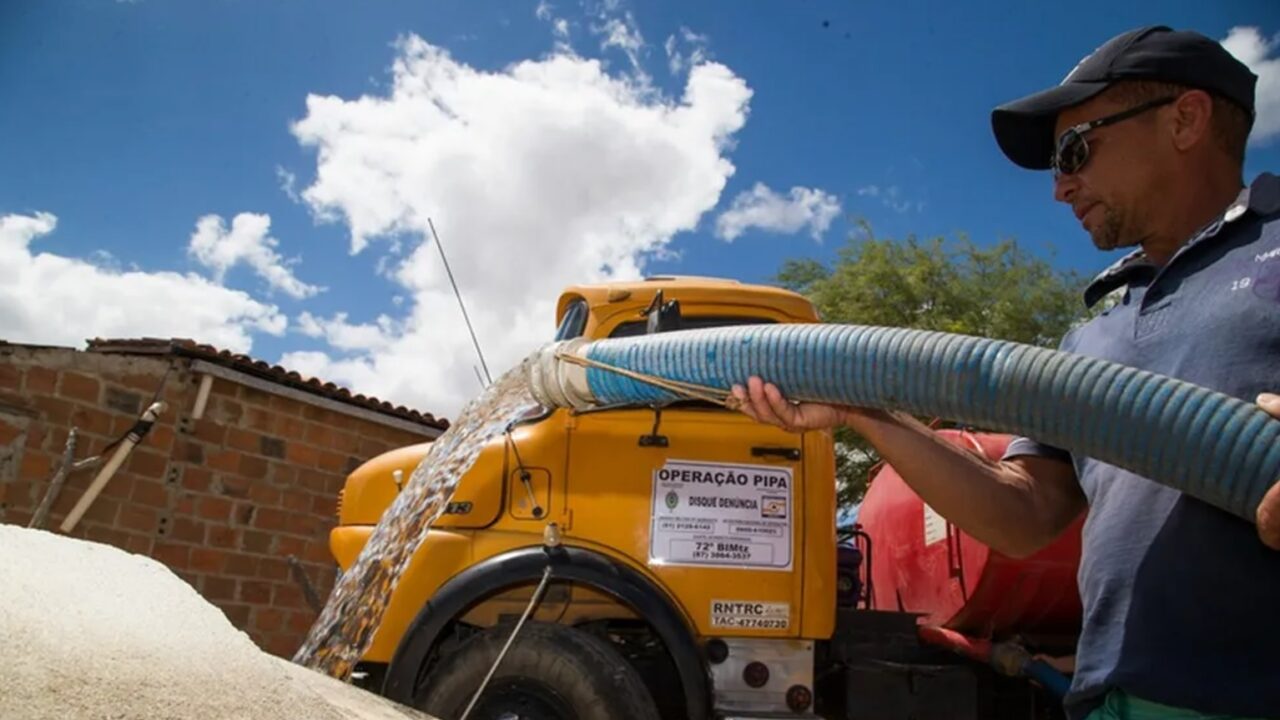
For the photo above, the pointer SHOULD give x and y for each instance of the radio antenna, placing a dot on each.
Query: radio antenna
(457, 294)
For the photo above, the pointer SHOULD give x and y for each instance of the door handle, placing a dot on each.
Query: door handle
(782, 452)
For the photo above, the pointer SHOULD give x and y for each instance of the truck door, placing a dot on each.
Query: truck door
(708, 500)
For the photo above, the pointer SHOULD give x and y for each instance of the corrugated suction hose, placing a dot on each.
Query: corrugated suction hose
(1214, 447)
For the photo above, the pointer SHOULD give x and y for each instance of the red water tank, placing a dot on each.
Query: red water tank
(922, 563)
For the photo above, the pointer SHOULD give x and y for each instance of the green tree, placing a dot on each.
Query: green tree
(998, 291)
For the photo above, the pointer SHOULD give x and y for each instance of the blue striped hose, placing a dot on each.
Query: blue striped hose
(1211, 446)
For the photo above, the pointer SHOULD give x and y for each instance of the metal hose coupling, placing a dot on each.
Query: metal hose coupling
(556, 383)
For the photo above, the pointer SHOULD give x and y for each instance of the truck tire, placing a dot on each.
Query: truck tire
(551, 672)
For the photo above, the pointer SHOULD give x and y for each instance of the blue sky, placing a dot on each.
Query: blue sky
(257, 175)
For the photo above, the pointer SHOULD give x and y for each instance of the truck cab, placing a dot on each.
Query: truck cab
(696, 567)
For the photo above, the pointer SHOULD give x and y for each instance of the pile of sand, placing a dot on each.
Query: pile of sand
(90, 631)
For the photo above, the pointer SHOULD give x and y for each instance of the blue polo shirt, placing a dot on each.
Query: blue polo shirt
(1182, 600)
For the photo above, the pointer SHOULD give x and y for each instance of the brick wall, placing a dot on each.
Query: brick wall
(223, 501)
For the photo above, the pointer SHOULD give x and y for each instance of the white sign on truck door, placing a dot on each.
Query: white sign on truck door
(721, 514)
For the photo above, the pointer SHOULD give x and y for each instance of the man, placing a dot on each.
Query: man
(1146, 140)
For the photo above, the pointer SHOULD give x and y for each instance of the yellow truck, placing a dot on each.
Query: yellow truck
(698, 567)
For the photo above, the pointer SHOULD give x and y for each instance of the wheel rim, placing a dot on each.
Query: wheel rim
(522, 699)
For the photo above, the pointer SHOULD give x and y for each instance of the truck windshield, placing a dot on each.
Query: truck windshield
(574, 321)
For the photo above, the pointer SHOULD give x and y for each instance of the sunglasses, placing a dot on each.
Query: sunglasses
(1072, 151)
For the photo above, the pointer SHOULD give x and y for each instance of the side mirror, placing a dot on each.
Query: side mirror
(662, 316)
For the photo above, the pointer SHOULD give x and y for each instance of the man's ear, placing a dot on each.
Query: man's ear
(1191, 119)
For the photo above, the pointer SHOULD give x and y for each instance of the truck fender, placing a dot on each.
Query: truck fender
(526, 565)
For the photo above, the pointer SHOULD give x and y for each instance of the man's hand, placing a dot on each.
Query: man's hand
(764, 402)
(1269, 508)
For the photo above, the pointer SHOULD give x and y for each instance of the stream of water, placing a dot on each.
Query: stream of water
(342, 633)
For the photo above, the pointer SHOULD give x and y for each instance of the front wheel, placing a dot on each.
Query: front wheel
(551, 672)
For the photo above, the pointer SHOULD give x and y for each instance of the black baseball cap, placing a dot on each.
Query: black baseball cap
(1024, 127)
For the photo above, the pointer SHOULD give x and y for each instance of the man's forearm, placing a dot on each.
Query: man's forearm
(1000, 504)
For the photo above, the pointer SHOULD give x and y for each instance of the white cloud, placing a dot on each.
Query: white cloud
(105, 260)
(308, 325)
(247, 242)
(892, 198)
(623, 33)
(56, 300)
(347, 336)
(288, 183)
(547, 173)
(761, 207)
(695, 50)
(1254, 50)
(559, 27)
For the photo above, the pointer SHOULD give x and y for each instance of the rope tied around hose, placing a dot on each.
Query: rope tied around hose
(692, 391)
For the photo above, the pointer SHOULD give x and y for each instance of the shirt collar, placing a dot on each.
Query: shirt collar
(1261, 198)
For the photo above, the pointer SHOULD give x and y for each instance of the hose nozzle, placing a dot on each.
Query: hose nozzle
(556, 383)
